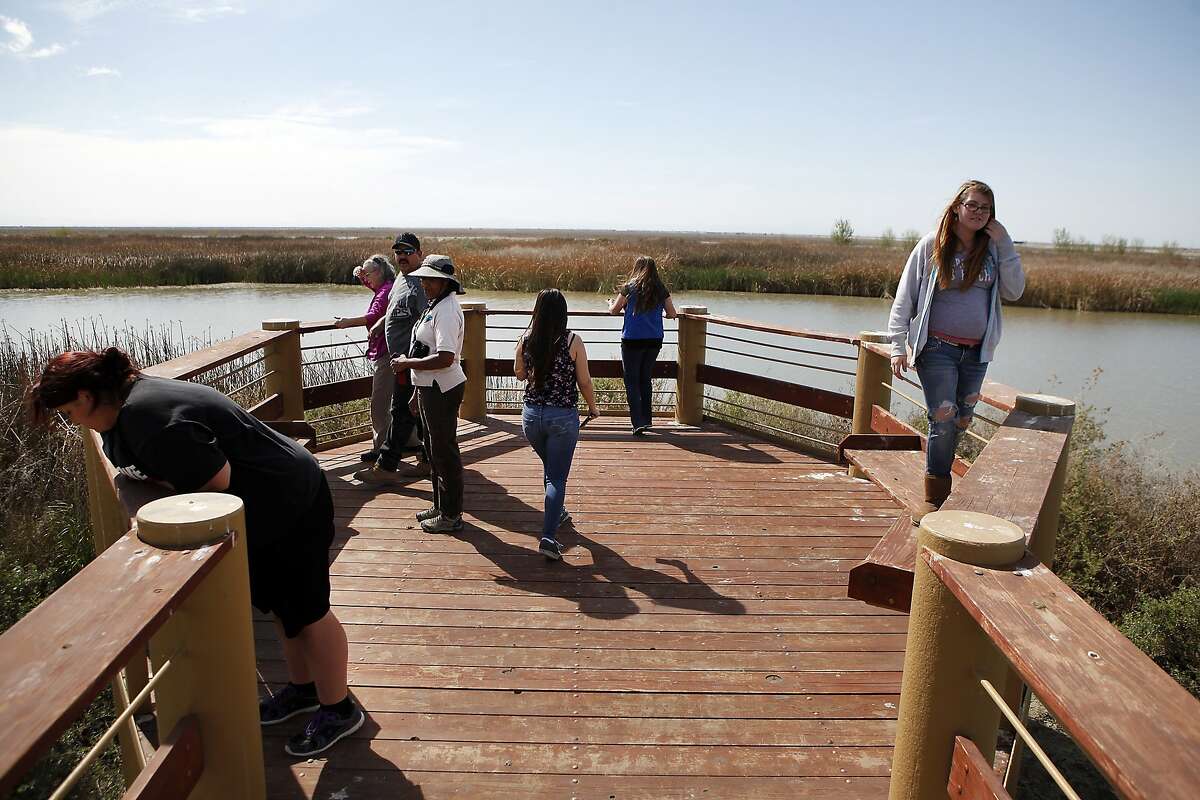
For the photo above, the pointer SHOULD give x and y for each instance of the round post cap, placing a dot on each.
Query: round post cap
(875, 337)
(280, 324)
(981, 540)
(187, 521)
(473, 305)
(1045, 405)
(692, 309)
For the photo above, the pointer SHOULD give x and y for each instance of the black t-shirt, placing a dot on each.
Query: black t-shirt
(183, 433)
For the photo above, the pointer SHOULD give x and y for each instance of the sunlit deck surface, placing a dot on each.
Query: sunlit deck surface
(696, 641)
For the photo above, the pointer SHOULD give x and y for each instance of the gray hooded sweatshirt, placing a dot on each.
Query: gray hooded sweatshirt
(908, 324)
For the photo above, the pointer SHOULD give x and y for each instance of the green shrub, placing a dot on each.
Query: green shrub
(1168, 630)
(843, 231)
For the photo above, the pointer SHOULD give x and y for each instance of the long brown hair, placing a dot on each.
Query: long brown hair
(106, 374)
(651, 291)
(946, 243)
(548, 325)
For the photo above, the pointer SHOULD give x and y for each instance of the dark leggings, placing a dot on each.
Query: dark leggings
(637, 360)
(439, 415)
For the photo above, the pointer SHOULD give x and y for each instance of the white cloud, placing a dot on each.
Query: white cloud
(102, 72)
(206, 13)
(87, 10)
(20, 35)
(21, 40)
(262, 170)
(47, 52)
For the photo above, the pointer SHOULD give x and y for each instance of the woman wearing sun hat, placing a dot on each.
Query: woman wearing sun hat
(436, 363)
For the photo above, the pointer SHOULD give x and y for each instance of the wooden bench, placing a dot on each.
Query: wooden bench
(1009, 480)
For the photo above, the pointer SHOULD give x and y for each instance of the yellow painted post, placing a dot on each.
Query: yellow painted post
(1045, 532)
(210, 645)
(689, 391)
(109, 523)
(874, 372)
(945, 656)
(474, 405)
(284, 367)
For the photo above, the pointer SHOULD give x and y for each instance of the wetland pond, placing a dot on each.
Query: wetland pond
(1149, 379)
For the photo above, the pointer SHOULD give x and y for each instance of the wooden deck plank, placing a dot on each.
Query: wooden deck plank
(696, 636)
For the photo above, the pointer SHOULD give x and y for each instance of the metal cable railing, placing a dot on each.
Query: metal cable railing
(1030, 742)
(711, 335)
(69, 782)
(793, 420)
(769, 428)
(711, 349)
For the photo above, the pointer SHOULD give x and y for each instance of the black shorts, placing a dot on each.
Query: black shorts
(290, 577)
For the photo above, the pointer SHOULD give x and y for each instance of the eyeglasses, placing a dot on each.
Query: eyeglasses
(976, 208)
(404, 251)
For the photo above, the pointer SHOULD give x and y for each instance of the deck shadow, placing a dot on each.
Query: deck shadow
(528, 571)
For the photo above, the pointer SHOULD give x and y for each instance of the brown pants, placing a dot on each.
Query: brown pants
(439, 415)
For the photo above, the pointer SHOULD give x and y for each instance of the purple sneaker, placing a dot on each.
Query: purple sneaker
(285, 704)
(325, 730)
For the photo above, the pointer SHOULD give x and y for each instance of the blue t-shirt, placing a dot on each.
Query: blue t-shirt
(645, 325)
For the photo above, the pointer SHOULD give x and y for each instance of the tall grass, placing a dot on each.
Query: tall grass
(1108, 279)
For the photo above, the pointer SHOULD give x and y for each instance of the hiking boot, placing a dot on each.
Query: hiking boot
(377, 473)
(285, 704)
(442, 524)
(937, 489)
(550, 549)
(326, 729)
(429, 513)
(369, 457)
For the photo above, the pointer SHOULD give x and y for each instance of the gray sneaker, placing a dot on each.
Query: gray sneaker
(324, 731)
(428, 513)
(378, 474)
(442, 524)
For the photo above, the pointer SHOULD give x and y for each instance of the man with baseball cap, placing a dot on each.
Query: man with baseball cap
(405, 306)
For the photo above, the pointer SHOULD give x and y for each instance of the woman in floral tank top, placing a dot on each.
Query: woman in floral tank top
(553, 363)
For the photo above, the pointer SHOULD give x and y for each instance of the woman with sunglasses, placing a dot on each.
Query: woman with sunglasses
(553, 363)
(378, 275)
(947, 315)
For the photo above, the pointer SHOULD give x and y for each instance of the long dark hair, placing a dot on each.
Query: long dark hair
(945, 244)
(547, 327)
(651, 291)
(106, 373)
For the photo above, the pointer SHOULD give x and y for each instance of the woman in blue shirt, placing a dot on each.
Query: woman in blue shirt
(643, 299)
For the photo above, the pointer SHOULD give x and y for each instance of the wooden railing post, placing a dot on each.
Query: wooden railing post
(109, 523)
(1045, 531)
(946, 655)
(874, 371)
(210, 644)
(283, 364)
(689, 391)
(474, 405)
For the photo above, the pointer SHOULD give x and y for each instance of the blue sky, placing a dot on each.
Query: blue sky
(750, 116)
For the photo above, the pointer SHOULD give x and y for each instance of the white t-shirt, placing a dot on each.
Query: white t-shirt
(441, 330)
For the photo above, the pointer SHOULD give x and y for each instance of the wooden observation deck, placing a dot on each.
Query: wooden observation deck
(731, 618)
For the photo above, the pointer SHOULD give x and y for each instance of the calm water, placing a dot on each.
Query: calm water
(1149, 375)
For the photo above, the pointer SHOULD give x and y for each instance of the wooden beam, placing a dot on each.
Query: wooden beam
(200, 361)
(328, 394)
(1136, 724)
(835, 403)
(175, 767)
(971, 777)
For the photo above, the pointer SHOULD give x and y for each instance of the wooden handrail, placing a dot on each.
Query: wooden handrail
(201, 361)
(762, 327)
(1139, 727)
(138, 587)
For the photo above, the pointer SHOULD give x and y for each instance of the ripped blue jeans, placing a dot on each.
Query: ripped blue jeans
(951, 376)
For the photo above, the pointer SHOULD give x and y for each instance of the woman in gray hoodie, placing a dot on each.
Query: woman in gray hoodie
(945, 320)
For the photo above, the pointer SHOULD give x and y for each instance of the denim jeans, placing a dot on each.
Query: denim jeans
(553, 432)
(637, 360)
(951, 376)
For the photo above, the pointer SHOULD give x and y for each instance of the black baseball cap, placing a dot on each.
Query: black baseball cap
(407, 239)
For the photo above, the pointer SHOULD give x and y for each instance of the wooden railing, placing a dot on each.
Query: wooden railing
(1014, 623)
